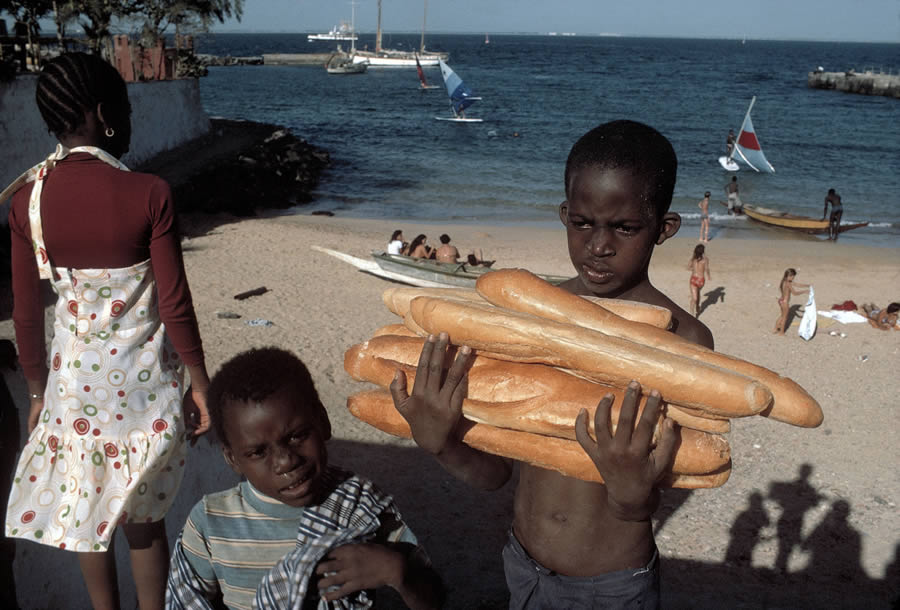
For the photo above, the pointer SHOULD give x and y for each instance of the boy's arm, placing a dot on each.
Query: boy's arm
(192, 581)
(627, 460)
(434, 414)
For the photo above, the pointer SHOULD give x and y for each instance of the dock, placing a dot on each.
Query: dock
(296, 59)
(865, 83)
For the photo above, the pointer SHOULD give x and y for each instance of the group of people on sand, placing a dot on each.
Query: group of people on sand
(419, 248)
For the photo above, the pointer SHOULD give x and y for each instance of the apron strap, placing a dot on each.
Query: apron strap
(38, 173)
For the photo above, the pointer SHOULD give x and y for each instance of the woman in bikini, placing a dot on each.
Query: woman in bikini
(787, 288)
(699, 267)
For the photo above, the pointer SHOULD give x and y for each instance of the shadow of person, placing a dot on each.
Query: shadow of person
(793, 312)
(835, 548)
(745, 531)
(9, 446)
(670, 501)
(795, 498)
(711, 298)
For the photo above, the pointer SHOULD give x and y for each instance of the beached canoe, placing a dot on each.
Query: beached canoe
(784, 220)
(418, 271)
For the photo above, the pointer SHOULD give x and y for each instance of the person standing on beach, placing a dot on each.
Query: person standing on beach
(837, 210)
(699, 266)
(734, 199)
(786, 289)
(108, 421)
(704, 217)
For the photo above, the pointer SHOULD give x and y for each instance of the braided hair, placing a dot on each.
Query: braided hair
(74, 83)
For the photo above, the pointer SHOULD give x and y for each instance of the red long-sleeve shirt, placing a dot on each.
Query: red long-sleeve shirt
(95, 216)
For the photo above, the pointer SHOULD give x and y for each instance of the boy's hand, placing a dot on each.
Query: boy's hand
(434, 409)
(627, 461)
(355, 567)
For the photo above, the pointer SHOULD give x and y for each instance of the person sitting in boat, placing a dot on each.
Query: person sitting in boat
(445, 252)
(837, 210)
(419, 248)
(396, 245)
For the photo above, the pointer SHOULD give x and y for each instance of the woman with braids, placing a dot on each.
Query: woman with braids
(107, 425)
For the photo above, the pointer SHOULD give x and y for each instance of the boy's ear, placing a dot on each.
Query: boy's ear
(564, 212)
(669, 226)
(229, 459)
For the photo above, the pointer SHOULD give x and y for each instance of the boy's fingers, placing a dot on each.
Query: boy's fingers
(625, 425)
(457, 372)
(581, 433)
(665, 448)
(398, 390)
(436, 364)
(643, 435)
(602, 424)
(422, 367)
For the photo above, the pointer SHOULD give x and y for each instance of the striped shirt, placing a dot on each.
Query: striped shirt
(233, 538)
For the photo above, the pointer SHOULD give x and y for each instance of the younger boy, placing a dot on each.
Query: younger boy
(296, 531)
(575, 543)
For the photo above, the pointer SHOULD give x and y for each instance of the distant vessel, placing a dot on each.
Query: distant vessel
(460, 97)
(401, 59)
(339, 63)
(747, 149)
(487, 39)
(338, 32)
(423, 82)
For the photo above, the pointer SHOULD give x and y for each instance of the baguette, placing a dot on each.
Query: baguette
(397, 299)
(394, 330)
(376, 408)
(609, 360)
(539, 394)
(522, 291)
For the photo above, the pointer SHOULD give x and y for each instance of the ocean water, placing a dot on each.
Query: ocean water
(391, 159)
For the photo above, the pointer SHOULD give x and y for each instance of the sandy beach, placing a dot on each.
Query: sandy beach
(841, 523)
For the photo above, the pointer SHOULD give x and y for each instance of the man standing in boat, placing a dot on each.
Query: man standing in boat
(837, 210)
(734, 199)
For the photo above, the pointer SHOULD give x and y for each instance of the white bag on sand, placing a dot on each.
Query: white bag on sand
(808, 321)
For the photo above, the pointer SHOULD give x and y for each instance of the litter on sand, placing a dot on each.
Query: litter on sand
(260, 322)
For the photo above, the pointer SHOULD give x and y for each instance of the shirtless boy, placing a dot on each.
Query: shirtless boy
(445, 252)
(570, 539)
(837, 210)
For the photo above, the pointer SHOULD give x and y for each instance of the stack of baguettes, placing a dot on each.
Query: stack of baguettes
(543, 354)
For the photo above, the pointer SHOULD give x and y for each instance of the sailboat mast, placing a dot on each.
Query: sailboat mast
(424, 19)
(352, 27)
(378, 30)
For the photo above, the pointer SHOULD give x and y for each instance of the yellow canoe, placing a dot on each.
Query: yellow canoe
(785, 220)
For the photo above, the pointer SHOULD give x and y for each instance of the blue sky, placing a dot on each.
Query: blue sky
(856, 20)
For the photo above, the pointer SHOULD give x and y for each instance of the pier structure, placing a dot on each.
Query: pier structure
(865, 83)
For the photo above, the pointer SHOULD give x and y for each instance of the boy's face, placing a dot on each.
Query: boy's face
(279, 445)
(610, 232)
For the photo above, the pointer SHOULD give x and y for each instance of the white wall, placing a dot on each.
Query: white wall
(164, 115)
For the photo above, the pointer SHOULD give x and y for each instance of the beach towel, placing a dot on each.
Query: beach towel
(808, 321)
(844, 317)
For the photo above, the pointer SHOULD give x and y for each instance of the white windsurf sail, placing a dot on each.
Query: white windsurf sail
(460, 95)
(747, 148)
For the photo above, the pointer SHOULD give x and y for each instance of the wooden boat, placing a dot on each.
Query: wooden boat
(418, 271)
(784, 220)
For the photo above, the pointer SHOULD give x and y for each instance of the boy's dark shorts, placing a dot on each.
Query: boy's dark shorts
(532, 586)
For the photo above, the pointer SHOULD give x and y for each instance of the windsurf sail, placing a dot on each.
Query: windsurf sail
(423, 83)
(460, 95)
(747, 148)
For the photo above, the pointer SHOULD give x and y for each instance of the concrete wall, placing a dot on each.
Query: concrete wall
(164, 115)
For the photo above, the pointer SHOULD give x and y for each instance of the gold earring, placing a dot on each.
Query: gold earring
(110, 132)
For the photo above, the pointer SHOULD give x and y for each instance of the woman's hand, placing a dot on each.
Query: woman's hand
(196, 415)
(34, 414)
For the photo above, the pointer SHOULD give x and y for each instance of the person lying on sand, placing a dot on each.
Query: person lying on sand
(882, 319)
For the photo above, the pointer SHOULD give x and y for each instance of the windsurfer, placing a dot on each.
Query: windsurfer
(729, 143)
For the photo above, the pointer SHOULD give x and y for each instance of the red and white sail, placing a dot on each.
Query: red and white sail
(747, 148)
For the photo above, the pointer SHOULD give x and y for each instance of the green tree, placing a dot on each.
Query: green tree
(28, 12)
(192, 15)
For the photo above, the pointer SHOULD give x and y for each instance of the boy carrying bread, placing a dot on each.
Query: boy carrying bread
(575, 543)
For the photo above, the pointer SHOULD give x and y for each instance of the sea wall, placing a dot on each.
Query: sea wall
(164, 115)
(866, 83)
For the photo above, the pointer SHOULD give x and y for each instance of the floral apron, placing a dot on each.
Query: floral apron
(109, 446)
